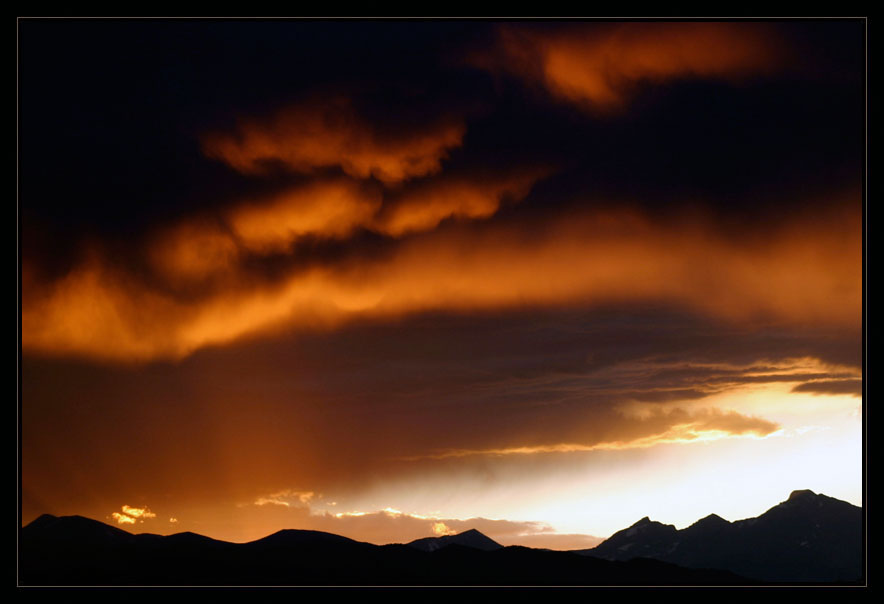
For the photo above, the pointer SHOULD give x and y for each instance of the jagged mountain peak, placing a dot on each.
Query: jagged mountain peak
(809, 537)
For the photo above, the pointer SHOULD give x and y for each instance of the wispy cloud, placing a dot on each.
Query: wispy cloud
(286, 498)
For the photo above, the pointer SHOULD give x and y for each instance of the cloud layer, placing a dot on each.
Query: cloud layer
(807, 270)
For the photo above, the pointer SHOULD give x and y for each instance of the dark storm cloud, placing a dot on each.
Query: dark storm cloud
(341, 408)
(113, 112)
(852, 387)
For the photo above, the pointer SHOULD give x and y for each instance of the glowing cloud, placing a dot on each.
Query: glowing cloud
(331, 209)
(130, 514)
(329, 133)
(203, 250)
(123, 518)
(138, 512)
(280, 498)
(599, 65)
(805, 271)
(266, 500)
(423, 208)
(440, 529)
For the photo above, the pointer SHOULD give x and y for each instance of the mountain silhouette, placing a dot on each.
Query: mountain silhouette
(74, 550)
(471, 538)
(807, 538)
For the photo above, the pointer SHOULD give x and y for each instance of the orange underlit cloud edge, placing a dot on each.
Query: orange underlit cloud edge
(800, 272)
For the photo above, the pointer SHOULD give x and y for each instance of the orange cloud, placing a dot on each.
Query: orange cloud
(423, 208)
(123, 518)
(202, 250)
(329, 133)
(332, 209)
(801, 272)
(598, 66)
(138, 512)
(93, 310)
(193, 250)
(130, 514)
(441, 529)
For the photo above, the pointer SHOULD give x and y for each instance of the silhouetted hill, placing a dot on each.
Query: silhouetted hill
(471, 538)
(807, 538)
(297, 538)
(78, 551)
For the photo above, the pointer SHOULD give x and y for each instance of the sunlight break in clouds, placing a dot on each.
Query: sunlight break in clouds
(440, 529)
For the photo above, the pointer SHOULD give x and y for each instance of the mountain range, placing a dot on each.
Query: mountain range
(807, 539)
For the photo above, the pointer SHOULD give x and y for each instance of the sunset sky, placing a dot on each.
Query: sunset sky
(391, 279)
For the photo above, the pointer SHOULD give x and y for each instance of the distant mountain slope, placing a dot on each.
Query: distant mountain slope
(78, 551)
(808, 537)
(471, 538)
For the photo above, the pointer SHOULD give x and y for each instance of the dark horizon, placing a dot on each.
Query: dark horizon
(713, 552)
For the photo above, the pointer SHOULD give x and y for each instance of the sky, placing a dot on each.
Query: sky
(396, 279)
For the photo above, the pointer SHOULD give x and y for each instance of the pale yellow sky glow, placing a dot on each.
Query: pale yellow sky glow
(819, 446)
(563, 496)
